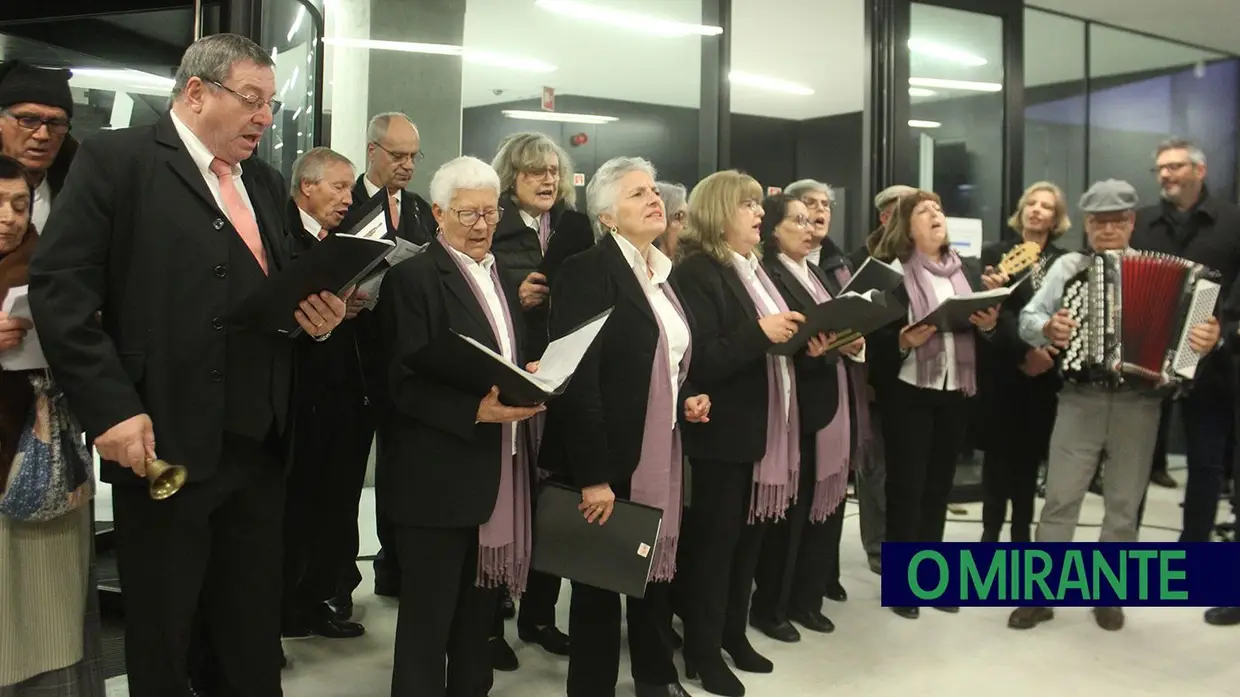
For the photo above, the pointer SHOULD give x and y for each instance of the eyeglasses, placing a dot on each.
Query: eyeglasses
(824, 204)
(30, 122)
(800, 221)
(542, 172)
(752, 204)
(470, 218)
(679, 217)
(253, 102)
(1169, 167)
(412, 157)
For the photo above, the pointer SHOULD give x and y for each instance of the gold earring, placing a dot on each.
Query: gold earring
(613, 230)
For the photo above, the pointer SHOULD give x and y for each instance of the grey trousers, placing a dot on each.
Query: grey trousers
(1092, 423)
(872, 490)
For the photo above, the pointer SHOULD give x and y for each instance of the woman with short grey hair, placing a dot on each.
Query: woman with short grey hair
(615, 432)
(820, 200)
(676, 202)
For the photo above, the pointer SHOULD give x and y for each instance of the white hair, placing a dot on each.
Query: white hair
(462, 174)
(674, 195)
(602, 191)
(799, 188)
(309, 166)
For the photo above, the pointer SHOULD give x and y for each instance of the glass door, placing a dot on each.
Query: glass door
(293, 31)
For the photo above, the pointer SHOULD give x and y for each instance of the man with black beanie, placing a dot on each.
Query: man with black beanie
(35, 107)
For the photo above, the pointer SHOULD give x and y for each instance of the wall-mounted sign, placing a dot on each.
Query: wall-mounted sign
(548, 99)
(579, 179)
(773, 190)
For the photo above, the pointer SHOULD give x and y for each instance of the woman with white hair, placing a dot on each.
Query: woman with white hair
(615, 431)
(676, 203)
(454, 471)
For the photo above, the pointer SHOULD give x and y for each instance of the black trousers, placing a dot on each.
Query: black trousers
(331, 446)
(925, 432)
(799, 558)
(542, 592)
(1008, 477)
(215, 545)
(443, 615)
(1209, 431)
(722, 557)
(387, 563)
(594, 655)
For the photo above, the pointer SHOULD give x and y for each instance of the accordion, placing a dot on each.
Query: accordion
(1133, 312)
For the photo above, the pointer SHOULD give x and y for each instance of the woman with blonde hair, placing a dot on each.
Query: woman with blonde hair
(1017, 383)
(745, 460)
(922, 378)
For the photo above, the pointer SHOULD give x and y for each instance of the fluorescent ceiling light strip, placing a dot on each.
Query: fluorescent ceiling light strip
(920, 92)
(497, 60)
(557, 116)
(646, 24)
(468, 54)
(947, 53)
(955, 84)
(918, 123)
(768, 83)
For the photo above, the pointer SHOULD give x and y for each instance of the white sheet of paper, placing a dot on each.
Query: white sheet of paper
(375, 229)
(559, 360)
(29, 353)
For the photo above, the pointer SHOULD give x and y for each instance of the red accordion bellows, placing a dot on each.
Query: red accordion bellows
(1152, 295)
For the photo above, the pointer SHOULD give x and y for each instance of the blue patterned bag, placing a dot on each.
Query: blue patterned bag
(52, 472)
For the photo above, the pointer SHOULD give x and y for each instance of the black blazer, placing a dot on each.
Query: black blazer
(593, 433)
(729, 362)
(883, 346)
(417, 223)
(137, 236)
(818, 388)
(437, 468)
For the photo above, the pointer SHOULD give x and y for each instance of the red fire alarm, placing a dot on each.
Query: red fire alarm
(579, 139)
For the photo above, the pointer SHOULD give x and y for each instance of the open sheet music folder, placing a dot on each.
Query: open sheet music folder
(466, 363)
(850, 317)
(615, 556)
(873, 275)
(952, 315)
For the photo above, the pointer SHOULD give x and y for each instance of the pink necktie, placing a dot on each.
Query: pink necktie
(239, 213)
(393, 206)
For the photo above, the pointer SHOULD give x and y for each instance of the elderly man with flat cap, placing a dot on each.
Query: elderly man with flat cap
(1095, 417)
(35, 108)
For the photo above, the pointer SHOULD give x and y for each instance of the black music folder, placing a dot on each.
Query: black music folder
(850, 317)
(616, 556)
(873, 275)
(464, 362)
(952, 315)
(335, 264)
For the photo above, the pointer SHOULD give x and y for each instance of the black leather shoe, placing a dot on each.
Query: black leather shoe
(507, 608)
(949, 610)
(908, 613)
(673, 690)
(876, 564)
(746, 659)
(1223, 616)
(717, 677)
(552, 640)
(342, 607)
(836, 592)
(322, 622)
(814, 621)
(503, 658)
(779, 631)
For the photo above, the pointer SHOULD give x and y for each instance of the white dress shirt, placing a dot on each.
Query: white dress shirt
(372, 189)
(944, 376)
(652, 270)
(529, 220)
(311, 225)
(203, 158)
(41, 207)
(747, 267)
(801, 269)
(481, 273)
(815, 255)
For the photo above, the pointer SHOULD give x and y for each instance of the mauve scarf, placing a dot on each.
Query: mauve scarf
(657, 481)
(923, 299)
(859, 379)
(776, 474)
(833, 442)
(504, 541)
(544, 231)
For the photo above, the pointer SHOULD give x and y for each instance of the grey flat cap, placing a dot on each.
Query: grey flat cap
(1109, 196)
(892, 194)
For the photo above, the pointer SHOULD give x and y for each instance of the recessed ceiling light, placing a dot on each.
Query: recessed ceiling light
(772, 84)
(947, 53)
(920, 92)
(468, 54)
(955, 84)
(557, 116)
(645, 24)
(918, 123)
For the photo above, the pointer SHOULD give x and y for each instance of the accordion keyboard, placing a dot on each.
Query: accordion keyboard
(1076, 356)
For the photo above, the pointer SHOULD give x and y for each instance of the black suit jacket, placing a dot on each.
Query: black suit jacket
(818, 388)
(883, 346)
(137, 236)
(729, 362)
(594, 431)
(437, 468)
(417, 223)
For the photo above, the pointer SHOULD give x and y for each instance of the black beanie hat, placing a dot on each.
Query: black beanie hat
(22, 83)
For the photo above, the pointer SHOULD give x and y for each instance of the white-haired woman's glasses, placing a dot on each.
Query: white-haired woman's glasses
(470, 218)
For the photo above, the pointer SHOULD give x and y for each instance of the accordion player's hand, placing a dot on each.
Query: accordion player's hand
(1059, 329)
(1203, 337)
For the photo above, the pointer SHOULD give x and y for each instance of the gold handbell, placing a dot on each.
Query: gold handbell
(165, 479)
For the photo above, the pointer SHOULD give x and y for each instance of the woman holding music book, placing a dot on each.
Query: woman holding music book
(800, 555)
(454, 469)
(924, 379)
(615, 431)
(745, 459)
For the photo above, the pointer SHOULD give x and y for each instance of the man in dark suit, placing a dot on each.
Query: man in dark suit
(393, 150)
(334, 429)
(35, 108)
(159, 235)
